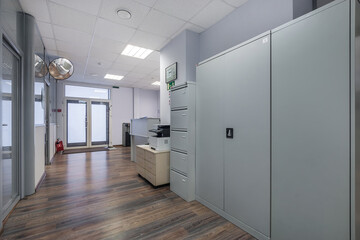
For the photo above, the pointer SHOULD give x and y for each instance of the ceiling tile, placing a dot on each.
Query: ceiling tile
(147, 40)
(235, 3)
(71, 18)
(101, 63)
(184, 9)
(113, 31)
(36, 8)
(154, 56)
(212, 13)
(138, 12)
(45, 29)
(89, 6)
(128, 60)
(77, 49)
(102, 54)
(123, 67)
(108, 44)
(144, 69)
(191, 27)
(148, 3)
(70, 35)
(159, 23)
(49, 43)
(52, 53)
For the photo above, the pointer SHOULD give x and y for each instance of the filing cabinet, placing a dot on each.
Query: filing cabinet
(182, 143)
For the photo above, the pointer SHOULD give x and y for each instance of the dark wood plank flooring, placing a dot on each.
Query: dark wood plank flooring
(98, 195)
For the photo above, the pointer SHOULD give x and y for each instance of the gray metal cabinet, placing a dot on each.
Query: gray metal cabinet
(209, 132)
(233, 174)
(311, 127)
(247, 154)
(182, 156)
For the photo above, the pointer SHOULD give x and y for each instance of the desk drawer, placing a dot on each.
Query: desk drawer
(179, 141)
(140, 170)
(140, 152)
(140, 161)
(150, 177)
(179, 161)
(150, 167)
(179, 119)
(150, 157)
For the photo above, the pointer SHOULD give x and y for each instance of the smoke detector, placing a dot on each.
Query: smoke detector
(123, 14)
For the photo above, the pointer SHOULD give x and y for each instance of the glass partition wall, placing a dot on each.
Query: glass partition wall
(11, 74)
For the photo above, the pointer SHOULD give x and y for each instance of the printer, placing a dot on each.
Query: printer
(160, 138)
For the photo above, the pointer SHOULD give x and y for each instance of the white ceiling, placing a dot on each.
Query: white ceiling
(92, 36)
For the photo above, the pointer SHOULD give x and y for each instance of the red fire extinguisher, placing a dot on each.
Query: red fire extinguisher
(59, 145)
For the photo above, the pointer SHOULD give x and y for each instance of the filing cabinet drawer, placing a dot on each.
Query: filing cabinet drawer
(140, 152)
(179, 141)
(179, 98)
(179, 119)
(149, 156)
(150, 167)
(179, 161)
(179, 184)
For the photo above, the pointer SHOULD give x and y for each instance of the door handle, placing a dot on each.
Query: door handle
(4, 125)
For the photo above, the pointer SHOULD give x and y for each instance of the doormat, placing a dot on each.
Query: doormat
(84, 150)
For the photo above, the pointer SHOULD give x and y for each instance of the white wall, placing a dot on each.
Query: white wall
(146, 103)
(122, 111)
(127, 103)
(39, 152)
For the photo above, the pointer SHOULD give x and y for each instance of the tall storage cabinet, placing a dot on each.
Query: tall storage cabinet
(233, 173)
(311, 127)
(182, 142)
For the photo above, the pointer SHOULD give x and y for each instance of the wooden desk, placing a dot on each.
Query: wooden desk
(153, 165)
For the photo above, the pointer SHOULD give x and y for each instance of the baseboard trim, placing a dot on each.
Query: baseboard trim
(40, 181)
(235, 221)
(7, 217)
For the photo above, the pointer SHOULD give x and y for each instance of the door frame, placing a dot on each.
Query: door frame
(17, 142)
(88, 126)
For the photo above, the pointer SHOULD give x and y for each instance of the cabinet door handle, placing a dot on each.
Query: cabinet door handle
(4, 125)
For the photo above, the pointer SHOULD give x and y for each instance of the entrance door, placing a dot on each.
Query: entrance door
(87, 123)
(99, 123)
(76, 123)
(10, 160)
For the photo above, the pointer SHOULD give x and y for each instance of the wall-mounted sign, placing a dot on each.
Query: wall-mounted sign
(171, 73)
(170, 85)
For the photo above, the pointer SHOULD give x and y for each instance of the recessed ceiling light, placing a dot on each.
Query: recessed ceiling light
(123, 14)
(138, 52)
(157, 83)
(113, 77)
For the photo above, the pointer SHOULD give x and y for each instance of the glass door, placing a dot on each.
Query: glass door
(10, 160)
(76, 123)
(99, 123)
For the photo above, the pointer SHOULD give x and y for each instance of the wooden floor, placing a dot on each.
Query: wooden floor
(98, 195)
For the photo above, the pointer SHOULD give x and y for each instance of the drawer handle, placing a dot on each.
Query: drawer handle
(183, 136)
(184, 114)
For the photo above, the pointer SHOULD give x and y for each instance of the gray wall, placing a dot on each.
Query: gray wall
(302, 7)
(249, 20)
(183, 49)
